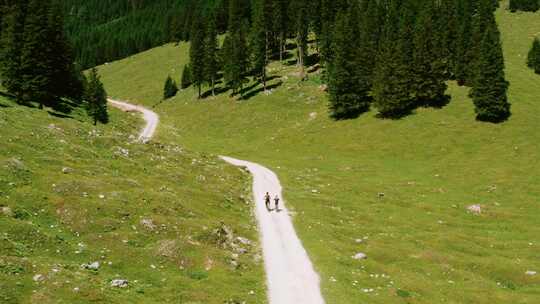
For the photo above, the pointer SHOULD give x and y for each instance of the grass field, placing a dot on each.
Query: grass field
(72, 194)
(422, 244)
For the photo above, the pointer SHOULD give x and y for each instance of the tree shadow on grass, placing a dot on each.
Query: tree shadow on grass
(59, 115)
(435, 104)
(256, 92)
(217, 91)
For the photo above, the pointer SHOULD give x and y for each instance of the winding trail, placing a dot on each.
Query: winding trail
(290, 276)
(150, 117)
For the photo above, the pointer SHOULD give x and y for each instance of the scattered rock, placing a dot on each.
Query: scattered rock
(359, 241)
(312, 115)
(101, 196)
(223, 235)
(6, 211)
(121, 283)
(360, 256)
(530, 272)
(167, 248)
(92, 266)
(148, 224)
(38, 278)
(67, 170)
(244, 241)
(475, 209)
(208, 264)
(323, 88)
(16, 164)
(381, 194)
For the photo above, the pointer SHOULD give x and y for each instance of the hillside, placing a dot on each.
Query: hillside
(397, 190)
(103, 31)
(72, 194)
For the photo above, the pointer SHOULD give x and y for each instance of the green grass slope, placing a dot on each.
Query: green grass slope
(72, 194)
(422, 244)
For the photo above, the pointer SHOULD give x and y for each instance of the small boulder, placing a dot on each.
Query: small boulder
(120, 283)
(475, 209)
(38, 278)
(148, 224)
(67, 170)
(92, 266)
(360, 256)
(530, 273)
(244, 241)
(6, 211)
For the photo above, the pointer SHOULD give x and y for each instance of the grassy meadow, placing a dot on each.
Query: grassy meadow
(422, 244)
(73, 194)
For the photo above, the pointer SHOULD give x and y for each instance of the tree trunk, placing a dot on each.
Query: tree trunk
(199, 91)
(281, 48)
(265, 62)
(301, 59)
(213, 87)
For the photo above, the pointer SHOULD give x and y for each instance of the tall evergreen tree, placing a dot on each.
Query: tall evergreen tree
(235, 47)
(66, 76)
(197, 54)
(211, 48)
(259, 42)
(391, 88)
(370, 35)
(11, 41)
(489, 92)
(348, 85)
(484, 10)
(96, 98)
(280, 24)
(428, 82)
(299, 10)
(36, 64)
(464, 41)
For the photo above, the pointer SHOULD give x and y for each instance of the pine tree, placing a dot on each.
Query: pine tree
(428, 82)
(300, 25)
(370, 27)
(96, 98)
(11, 41)
(197, 54)
(259, 41)
(186, 77)
(280, 24)
(480, 21)
(36, 64)
(489, 92)
(170, 89)
(66, 77)
(211, 48)
(533, 58)
(391, 88)
(464, 41)
(348, 85)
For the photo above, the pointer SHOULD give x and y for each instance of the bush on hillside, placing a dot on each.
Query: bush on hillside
(533, 59)
(170, 89)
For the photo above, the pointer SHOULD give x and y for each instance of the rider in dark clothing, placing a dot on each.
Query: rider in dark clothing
(276, 201)
(267, 200)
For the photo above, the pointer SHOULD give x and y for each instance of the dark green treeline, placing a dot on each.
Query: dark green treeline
(36, 59)
(392, 55)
